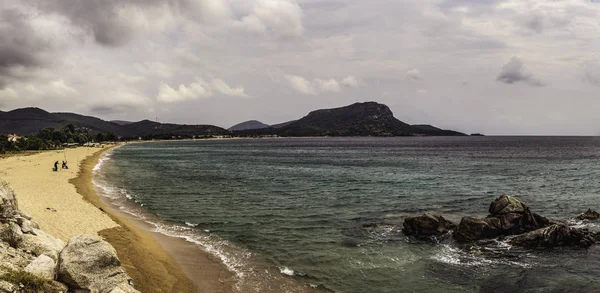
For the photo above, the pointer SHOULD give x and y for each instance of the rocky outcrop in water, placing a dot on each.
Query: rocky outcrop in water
(34, 261)
(427, 225)
(589, 215)
(553, 236)
(508, 217)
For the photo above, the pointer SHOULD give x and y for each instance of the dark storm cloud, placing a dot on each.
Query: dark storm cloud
(514, 72)
(591, 73)
(21, 47)
(100, 18)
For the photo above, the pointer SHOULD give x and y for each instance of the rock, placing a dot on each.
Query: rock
(6, 287)
(42, 243)
(89, 263)
(11, 234)
(427, 225)
(43, 266)
(8, 202)
(506, 204)
(554, 236)
(13, 258)
(471, 229)
(518, 223)
(589, 215)
(25, 215)
(124, 287)
(26, 225)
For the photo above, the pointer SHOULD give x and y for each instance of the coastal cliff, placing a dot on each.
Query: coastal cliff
(32, 260)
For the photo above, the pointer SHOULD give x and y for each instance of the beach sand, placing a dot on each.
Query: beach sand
(65, 204)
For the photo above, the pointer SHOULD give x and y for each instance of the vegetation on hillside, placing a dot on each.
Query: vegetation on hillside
(51, 138)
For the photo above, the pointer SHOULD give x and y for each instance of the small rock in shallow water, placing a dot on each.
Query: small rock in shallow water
(589, 215)
(427, 225)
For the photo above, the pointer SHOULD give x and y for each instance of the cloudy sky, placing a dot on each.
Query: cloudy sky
(491, 66)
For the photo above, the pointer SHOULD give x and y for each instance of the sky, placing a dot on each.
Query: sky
(489, 66)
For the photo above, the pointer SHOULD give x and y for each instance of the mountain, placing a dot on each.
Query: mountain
(146, 128)
(359, 119)
(31, 120)
(283, 124)
(27, 121)
(121, 122)
(434, 131)
(426, 127)
(248, 125)
(96, 124)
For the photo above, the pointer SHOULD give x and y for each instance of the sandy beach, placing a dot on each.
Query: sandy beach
(65, 204)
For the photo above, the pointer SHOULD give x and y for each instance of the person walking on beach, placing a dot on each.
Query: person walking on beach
(55, 166)
(64, 165)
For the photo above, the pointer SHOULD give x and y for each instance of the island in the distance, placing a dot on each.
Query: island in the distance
(359, 119)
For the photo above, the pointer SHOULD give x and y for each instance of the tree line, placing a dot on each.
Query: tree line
(53, 138)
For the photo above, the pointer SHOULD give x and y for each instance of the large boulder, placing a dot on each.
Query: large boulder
(8, 202)
(427, 225)
(91, 264)
(43, 266)
(589, 215)
(506, 204)
(553, 236)
(518, 223)
(40, 242)
(472, 229)
(11, 233)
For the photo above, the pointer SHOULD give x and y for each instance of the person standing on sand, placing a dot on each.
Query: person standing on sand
(55, 166)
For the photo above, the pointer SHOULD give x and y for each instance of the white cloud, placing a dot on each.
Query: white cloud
(196, 90)
(328, 85)
(301, 84)
(318, 85)
(157, 69)
(283, 17)
(414, 74)
(351, 81)
(219, 86)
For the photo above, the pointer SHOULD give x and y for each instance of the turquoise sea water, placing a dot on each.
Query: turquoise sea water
(324, 214)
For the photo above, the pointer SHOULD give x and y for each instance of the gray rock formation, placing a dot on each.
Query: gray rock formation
(92, 264)
(40, 243)
(8, 202)
(43, 266)
(472, 229)
(553, 236)
(508, 216)
(427, 225)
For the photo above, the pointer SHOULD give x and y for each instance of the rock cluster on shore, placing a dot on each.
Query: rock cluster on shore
(34, 261)
(509, 219)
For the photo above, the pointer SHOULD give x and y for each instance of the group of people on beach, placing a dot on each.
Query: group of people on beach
(64, 166)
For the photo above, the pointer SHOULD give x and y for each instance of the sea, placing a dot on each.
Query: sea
(325, 214)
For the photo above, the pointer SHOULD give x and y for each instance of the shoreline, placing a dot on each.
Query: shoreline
(156, 262)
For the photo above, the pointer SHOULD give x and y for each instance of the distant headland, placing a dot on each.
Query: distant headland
(359, 119)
